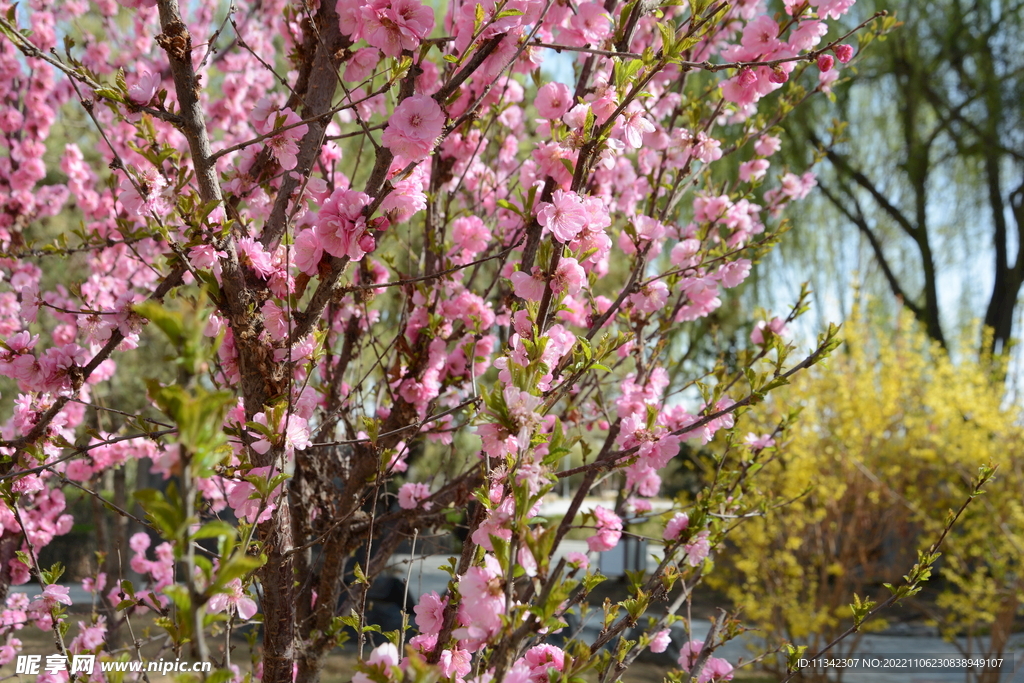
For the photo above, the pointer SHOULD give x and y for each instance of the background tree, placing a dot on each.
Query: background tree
(927, 177)
(860, 484)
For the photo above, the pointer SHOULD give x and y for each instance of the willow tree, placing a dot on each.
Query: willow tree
(928, 175)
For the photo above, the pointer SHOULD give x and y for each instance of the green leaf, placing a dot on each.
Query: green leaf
(220, 676)
(668, 38)
(238, 566)
(109, 94)
(478, 18)
(215, 529)
(171, 323)
(179, 596)
(165, 511)
(53, 574)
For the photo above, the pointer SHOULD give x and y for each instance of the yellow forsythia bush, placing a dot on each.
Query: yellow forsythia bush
(886, 443)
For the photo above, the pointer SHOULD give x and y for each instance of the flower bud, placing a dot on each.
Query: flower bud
(826, 62)
(844, 53)
(778, 75)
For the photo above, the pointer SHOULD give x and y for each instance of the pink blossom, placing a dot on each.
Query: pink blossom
(826, 62)
(688, 654)
(578, 559)
(291, 433)
(90, 636)
(10, 119)
(405, 199)
(698, 549)
(684, 252)
(245, 500)
(778, 76)
(734, 273)
(382, 659)
(341, 224)
(634, 126)
(825, 81)
(252, 254)
(145, 88)
(519, 673)
(275, 319)
(568, 278)
(234, 599)
(564, 216)
(95, 584)
(576, 117)
(386, 654)
(145, 196)
(777, 326)
(9, 651)
(609, 530)
(755, 169)
(767, 145)
(660, 641)
(139, 542)
(470, 236)
(455, 663)
(57, 362)
(798, 187)
(350, 19)
(702, 298)
(553, 100)
(54, 594)
(522, 406)
(205, 257)
(528, 287)
(591, 23)
(844, 53)
(760, 37)
(307, 251)
(483, 603)
(808, 34)
(651, 297)
(430, 613)
(285, 145)
(414, 127)
(715, 669)
(410, 496)
(832, 9)
(496, 524)
(361, 64)
(707, 149)
(396, 25)
(541, 658)
(263, 114)
(756, 442)
(677, 524)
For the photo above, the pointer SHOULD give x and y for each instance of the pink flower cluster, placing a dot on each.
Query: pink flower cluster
(714, 669)
(609, 530)
(391, 26)
(244, 498)
(233, 598)
(414, 128)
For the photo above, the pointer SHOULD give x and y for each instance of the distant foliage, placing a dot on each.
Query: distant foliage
(887, 441)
